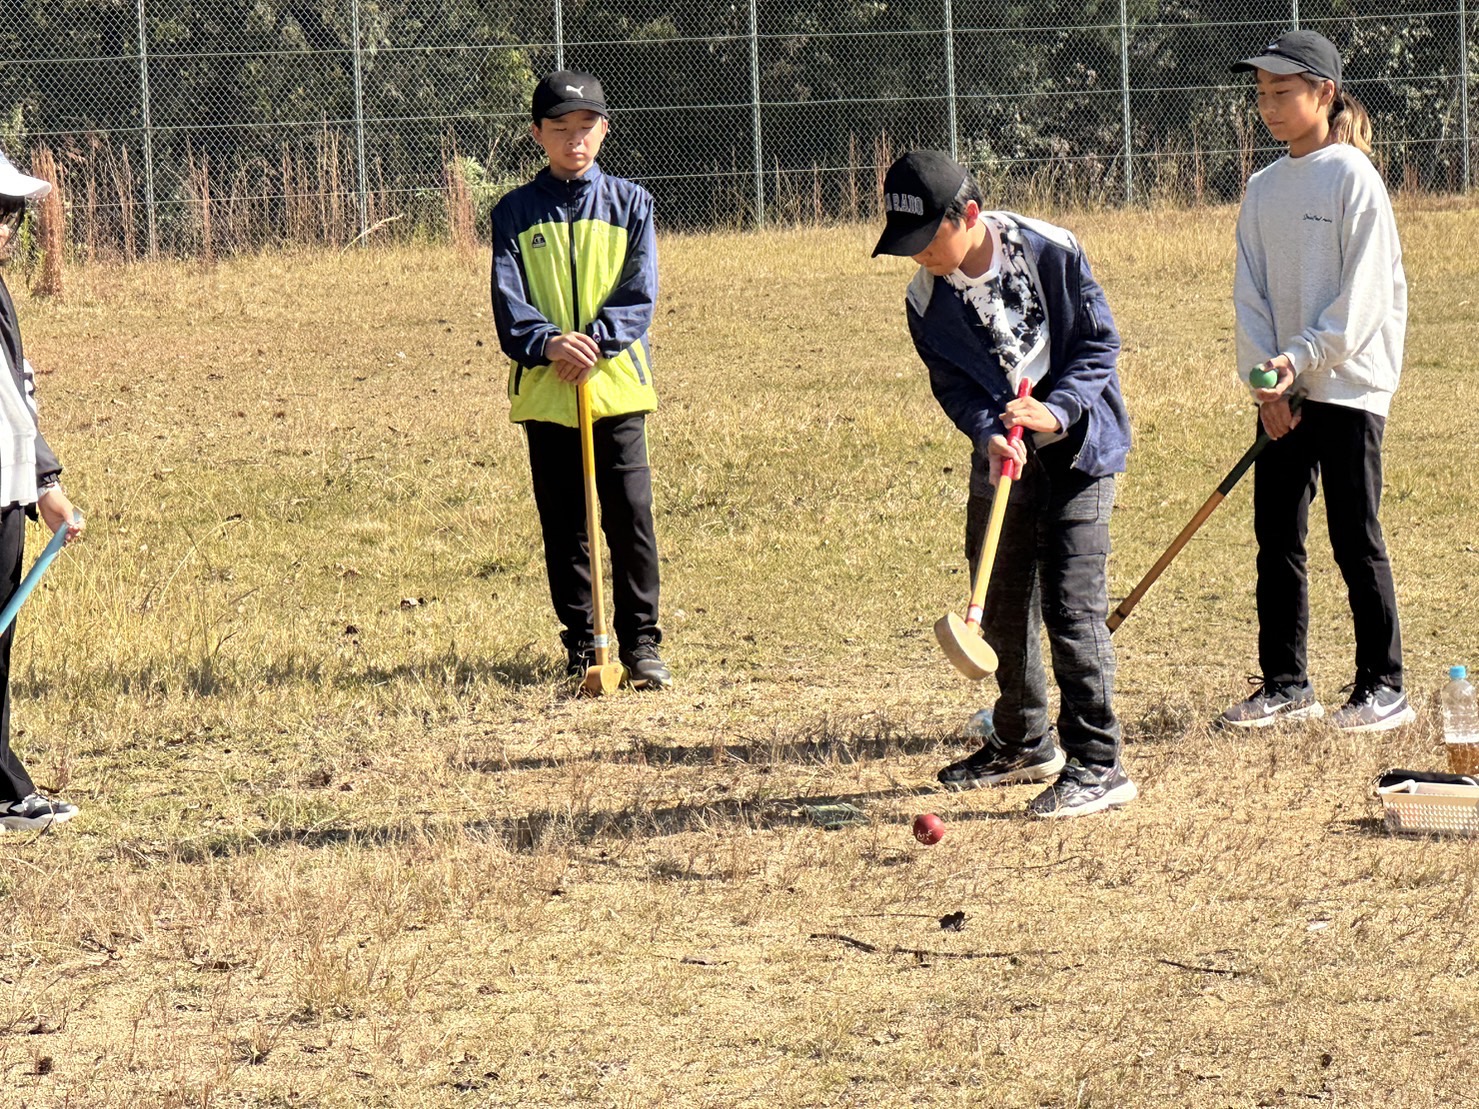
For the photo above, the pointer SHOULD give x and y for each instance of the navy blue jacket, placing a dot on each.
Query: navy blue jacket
(1081, 387)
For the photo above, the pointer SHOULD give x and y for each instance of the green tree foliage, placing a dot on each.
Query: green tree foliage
(258, 97)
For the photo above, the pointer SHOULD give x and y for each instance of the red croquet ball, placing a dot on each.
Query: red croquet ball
(929, 828)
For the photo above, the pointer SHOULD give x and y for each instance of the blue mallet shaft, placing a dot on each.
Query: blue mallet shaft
(28, 583)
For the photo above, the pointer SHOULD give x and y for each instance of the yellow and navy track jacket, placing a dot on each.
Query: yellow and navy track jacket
(577, 255)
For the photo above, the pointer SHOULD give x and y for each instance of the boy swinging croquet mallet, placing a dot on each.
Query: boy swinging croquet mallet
(1000, 298)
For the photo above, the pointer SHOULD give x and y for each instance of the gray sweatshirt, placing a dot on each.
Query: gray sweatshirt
(1319, 278)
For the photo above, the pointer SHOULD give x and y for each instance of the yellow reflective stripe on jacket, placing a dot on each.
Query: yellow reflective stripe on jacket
(619, 385)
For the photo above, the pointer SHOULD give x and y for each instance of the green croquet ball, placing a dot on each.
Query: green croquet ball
(1263, 379)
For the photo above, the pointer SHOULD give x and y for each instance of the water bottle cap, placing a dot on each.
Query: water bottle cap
(1458, 673)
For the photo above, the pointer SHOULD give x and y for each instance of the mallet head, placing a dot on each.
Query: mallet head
(964, 647)
(603, 679)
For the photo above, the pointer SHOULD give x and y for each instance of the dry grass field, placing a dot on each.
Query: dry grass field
(346, 839)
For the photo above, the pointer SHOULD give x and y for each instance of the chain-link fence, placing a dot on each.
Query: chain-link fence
(192, 126)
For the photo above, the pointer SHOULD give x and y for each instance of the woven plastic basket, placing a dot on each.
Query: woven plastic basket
(1444, 804)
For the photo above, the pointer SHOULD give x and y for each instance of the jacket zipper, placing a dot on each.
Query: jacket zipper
(570, 238)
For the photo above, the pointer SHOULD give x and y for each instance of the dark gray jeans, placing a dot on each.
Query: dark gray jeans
(1050, 572)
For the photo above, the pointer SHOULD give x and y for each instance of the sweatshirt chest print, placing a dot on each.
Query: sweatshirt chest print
(538, 239)
(1311, 217)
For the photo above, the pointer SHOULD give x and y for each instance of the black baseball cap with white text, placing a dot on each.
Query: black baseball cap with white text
(917, 190)
(566, 91)
(1297, 52)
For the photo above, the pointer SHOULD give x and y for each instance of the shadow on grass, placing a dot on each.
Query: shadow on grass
(1368, 827)
(532, 831)
(823, 750)
(520, 670)
(206, 678)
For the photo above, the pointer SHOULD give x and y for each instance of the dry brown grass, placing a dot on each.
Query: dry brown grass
(336, 851)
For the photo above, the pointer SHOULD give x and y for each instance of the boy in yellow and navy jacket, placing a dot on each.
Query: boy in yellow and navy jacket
(574, 286)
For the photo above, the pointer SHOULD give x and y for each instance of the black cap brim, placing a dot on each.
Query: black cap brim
(565, 107)
(906, 240)
(1273, 63)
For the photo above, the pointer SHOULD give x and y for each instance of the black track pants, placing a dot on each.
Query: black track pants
(15, 783)
(624, 487)
(1341, 448)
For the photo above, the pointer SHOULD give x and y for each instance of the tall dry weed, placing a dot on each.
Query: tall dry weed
(51, 225)
(462, 227)
(198, 194)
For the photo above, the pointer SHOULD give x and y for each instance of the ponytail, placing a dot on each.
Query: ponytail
(1349, 122)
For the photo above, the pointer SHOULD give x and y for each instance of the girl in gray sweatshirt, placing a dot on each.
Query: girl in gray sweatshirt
(1321, 314)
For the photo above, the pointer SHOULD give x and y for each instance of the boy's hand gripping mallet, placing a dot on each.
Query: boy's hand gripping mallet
(961, 639)
(33, 577)
(605, 676)
(1125, 607)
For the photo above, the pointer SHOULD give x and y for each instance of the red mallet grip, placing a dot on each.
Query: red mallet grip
(1009, 467)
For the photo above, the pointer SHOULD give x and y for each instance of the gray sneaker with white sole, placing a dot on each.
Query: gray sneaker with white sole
(1273, 703)
(1373, 708)
(1082, 790)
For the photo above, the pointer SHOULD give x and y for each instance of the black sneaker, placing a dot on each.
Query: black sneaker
(580, 656)
(1081, 790)
(1272, 703)
(645, 667)
(998, 763)
(31, 814)
(1373, 708)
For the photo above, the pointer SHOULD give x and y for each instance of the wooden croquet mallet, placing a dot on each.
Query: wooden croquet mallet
(605, 676)
(1125, 607)
(961, 639)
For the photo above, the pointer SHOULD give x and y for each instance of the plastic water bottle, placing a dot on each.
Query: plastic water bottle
(979, 726)
(1460, 722)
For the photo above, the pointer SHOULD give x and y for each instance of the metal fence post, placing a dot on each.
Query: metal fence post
(148, 130)
(1463, 86)
(1125, 100)
(755, 116)
(1294, 12)
(359, 124)
(950, 80)
(559, 35)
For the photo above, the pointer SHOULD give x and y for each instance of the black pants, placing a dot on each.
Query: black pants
(1050, 572)
(624, 487)
(1342, 448)
(15, 783)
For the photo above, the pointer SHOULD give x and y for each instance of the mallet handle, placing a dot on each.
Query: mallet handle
(1125, 607)
(30, 581)
(1009, 473)
(592, 521)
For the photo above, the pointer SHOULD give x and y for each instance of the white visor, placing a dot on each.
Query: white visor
(14, 183)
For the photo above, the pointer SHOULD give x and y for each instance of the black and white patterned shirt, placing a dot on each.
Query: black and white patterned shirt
(1005, 302)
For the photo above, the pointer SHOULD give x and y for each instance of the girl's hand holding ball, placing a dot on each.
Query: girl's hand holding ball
(1263, 377)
